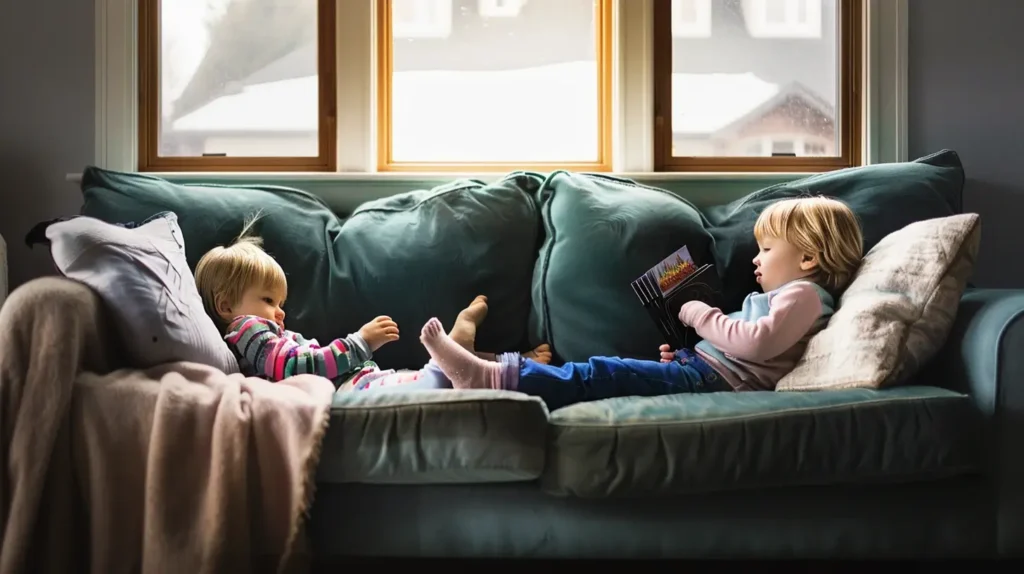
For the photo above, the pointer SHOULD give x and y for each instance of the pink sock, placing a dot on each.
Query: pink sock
(466, 370)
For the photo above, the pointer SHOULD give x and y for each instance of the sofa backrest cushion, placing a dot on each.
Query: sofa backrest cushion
(897, 312)
(885, 197)
(601, 234)
(411, 256)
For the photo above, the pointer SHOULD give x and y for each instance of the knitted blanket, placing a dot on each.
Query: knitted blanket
(177, 468)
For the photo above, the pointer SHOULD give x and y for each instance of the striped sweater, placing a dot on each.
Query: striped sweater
(267, 351)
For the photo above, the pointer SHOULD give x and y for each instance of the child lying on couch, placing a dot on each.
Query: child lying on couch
(244, 289)
(809, 249)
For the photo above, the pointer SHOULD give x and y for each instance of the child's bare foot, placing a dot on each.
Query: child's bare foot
(542, 354)
(464, 330)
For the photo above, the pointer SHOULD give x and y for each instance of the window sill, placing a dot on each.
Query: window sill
(442, 177)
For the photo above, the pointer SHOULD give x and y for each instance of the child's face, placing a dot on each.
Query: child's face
(261, 302)
(778, 262)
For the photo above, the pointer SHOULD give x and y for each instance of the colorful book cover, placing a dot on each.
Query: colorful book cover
(673, 270)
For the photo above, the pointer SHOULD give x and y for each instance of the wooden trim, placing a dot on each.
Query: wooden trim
(603, 39)
(850, 123)
(149, 105)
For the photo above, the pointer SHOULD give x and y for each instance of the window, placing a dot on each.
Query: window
(783, 18)
(758, 101)
(471, 86)
(691, 18)
(500, 8)
(215, 96)
(521, 91)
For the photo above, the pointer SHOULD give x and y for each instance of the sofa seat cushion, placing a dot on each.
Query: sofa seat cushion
(721, 441)
(440, 436)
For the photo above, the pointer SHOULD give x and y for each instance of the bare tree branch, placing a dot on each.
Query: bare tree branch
(249, 36)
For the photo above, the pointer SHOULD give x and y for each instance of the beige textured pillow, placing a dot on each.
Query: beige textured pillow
(898, 310)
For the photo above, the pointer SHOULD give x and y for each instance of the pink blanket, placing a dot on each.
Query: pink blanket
(178, 468)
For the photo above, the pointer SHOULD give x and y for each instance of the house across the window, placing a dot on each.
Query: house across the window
(691, 18)
(763, 83)
(421, 18)
(784, 18)
(500, 8)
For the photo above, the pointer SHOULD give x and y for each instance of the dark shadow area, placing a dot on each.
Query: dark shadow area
(1001, 258)
(31, 194)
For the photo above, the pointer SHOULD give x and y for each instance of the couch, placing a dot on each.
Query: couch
(923, 469)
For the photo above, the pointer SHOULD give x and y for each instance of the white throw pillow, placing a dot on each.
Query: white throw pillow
(144, 278)
(898, 310)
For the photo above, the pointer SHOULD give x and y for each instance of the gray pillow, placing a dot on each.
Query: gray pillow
(144, 278)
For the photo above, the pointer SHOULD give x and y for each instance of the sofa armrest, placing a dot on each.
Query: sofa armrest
(984, 357)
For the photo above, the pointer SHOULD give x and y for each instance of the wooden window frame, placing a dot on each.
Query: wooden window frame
(850, 124)
(149, 105)
(604, 51)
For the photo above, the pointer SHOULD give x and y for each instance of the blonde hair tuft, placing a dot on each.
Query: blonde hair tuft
(224, 273)
(821, 226)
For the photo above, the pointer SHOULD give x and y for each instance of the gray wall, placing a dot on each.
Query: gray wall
(965, 88)
(46, 118)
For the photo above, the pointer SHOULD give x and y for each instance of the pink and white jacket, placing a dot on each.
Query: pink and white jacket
(759, 344)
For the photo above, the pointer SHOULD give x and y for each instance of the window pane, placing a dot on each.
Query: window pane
(764, 81)
(239, 78)
(477, 81)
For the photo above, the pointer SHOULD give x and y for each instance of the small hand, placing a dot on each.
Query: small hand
(379, 331)
(667, 354)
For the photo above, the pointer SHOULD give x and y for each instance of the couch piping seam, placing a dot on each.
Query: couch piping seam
(753, 416)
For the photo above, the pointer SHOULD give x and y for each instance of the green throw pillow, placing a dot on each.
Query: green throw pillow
(410, 256)
(885, 197)
(602, 233)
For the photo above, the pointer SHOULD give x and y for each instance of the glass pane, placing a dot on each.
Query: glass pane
(494, 81)
(762, 81)
(239, 78)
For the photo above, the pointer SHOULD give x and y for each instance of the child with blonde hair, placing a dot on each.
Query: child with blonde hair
(809, 249)
(244, 289)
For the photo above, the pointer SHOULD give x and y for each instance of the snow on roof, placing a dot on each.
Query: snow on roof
(705, 103)
(547, 101)
(286, 105)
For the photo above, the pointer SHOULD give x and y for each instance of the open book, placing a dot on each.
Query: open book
(664, 288)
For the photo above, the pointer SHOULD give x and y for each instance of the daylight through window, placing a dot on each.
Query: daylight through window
(236, 85)
(468, 83)
(771, 86)
(499, 85)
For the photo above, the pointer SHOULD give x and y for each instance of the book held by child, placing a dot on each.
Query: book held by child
(664, 288)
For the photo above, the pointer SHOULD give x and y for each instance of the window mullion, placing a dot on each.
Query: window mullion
(633, 98)
(355, 64)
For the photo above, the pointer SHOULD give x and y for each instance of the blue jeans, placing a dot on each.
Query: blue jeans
(610, 377)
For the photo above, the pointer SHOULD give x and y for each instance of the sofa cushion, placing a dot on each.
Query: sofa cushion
(885, 197)
(898, 310)
(602, 233)
(410, 256)
(142, 276)
(723, 441)
(442, 436)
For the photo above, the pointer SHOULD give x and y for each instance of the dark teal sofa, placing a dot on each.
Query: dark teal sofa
(927, 469)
